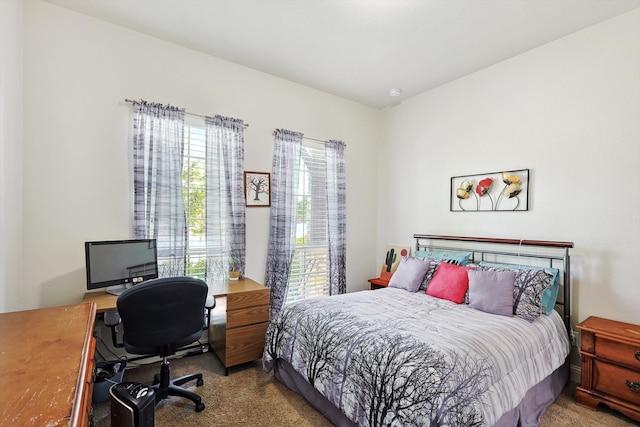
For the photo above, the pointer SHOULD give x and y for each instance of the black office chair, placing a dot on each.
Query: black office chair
(160, 316)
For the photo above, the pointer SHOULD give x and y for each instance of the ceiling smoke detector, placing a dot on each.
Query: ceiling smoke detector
(395, 92)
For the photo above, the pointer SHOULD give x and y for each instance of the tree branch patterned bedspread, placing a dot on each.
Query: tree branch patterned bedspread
(394, 358)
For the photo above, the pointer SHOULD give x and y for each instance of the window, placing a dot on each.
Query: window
(187, 190)
(193, 185)
(310, 267)
(206, 256)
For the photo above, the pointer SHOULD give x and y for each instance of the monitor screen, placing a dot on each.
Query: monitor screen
(120, 262)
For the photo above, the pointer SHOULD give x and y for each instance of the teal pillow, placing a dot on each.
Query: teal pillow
(550, 293)
(458, 258)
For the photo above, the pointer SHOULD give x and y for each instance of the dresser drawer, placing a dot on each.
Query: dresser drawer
(616, 381)
(620, 352)
(245, 344)
(247, 316)
(248, 299)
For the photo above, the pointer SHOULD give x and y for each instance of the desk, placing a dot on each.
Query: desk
(239, 321)
(46, 366)
(105, 302)
(102, 300)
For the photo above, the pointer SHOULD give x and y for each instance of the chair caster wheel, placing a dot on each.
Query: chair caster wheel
(199, 382)
(199, 407)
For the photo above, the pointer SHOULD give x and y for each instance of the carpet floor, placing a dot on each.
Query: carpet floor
(250, 397)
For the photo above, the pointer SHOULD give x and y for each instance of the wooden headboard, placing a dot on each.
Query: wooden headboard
(543, 253)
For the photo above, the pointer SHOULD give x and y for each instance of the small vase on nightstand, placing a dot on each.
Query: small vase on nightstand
(234, 275)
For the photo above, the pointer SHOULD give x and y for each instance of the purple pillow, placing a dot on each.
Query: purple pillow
(410, 273)
(492, 291)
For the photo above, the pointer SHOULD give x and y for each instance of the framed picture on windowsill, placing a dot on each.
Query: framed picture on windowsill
(257, 188)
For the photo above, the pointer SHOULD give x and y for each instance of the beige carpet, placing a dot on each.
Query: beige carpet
(250, 397)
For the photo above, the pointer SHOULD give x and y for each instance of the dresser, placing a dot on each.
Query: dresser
(610, 353)
(239, 321)
(47, 364)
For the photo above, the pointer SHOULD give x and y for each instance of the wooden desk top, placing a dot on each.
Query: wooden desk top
(234, 286)
(44, 358)
(105, 301)
(102, 300)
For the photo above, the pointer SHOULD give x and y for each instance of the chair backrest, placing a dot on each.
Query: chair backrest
(161, 315)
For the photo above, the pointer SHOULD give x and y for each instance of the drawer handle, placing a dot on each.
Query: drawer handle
(634, 386)
(637, 355)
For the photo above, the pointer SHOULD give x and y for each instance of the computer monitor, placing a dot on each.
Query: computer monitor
(117, 263)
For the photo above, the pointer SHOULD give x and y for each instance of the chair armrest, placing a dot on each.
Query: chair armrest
(209, 304)
(112, 320)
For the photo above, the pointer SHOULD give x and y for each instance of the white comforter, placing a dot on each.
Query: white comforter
(391, 357)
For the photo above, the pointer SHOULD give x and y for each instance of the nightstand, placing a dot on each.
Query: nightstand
(610, 353)
(378, 283)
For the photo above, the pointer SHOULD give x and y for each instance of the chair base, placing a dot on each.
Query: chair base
(165, 387)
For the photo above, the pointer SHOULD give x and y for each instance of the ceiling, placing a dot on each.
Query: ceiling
(358, 49)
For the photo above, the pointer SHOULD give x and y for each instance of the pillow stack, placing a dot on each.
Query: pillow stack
(502, 289)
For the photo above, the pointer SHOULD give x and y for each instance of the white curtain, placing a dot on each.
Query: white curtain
(336, 215)
(225, 204)
(157, 143)
(282, 233)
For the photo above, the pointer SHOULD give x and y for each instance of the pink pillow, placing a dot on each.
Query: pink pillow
(450, 282)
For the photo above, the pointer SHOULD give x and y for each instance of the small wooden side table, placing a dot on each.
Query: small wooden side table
(610, 352)
(378, 283)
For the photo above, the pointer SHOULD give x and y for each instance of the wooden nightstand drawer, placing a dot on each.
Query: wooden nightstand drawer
(617, 381)
(620, 352)
(247, 316)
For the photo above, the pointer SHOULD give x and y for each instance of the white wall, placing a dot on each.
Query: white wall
(11, 12)
(570, 112)
(77, 72)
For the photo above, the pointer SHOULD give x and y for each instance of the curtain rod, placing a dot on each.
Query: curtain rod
(322, 141)
(130, 101)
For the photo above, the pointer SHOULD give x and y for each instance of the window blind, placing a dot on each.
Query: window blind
(310, 267)
(193, 181)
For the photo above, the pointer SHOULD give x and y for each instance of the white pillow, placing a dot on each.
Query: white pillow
(410, 273)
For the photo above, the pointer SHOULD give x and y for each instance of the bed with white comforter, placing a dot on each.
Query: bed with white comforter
(395, 358)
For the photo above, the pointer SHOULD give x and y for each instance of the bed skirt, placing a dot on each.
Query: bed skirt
(526, 414)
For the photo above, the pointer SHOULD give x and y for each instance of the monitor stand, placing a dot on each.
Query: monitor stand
(116, 290)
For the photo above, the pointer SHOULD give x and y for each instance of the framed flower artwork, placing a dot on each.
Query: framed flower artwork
(494, 191)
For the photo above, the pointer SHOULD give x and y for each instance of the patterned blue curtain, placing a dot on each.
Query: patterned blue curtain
(224, 196)
(158, 212)
(336, 215)
(282, 233)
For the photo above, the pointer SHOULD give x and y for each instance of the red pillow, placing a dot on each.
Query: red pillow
(450, 282)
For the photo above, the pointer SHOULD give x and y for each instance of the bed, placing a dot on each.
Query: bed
(429, 350)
